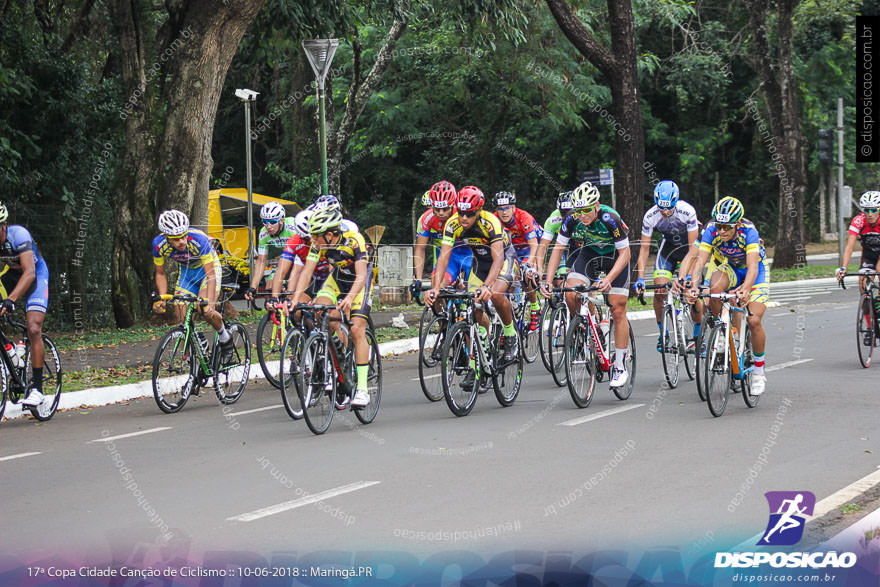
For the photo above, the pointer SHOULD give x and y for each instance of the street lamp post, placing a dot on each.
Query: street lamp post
(248, 97)
(320, 54)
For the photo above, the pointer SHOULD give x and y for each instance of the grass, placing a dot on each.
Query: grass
(77, 380)
(806, 272)
(850, 508)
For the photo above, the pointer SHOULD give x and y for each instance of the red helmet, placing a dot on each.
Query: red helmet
(469, 198)
(442, 195)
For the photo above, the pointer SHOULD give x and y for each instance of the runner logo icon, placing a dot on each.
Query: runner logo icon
(789, 511)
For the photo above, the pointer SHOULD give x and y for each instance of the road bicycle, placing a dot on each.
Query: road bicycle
(551, 337)
(729, 358)
(434, 327)
(522, 318)
(15, 378)
(588, 349)
(327, 370)
(271, 332)
(867, 334)
(186, 361)
(469, 352)
(290, 356)
(678, 328)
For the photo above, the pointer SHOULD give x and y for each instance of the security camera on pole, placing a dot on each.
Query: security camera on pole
(320, 54)
(248, 97)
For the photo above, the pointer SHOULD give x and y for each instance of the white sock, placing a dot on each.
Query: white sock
(224, 335)
(619, 355)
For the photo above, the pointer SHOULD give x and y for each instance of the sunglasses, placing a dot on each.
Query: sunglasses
(504, 208)
(589, 210)
(469, 214)
(722, 226)
(270, 222)
(870, 210)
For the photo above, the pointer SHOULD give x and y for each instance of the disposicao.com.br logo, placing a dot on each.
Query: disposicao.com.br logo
(789, 511)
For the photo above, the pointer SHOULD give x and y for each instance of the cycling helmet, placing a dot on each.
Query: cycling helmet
(325, 220)
(4, 214)
(728, 210)
(301, 222)
(442, 195)
(426, 198)
(469, 198)
(326, 201)
(505, 199)
(666, 194)
(563, 201)
(585, 195)
(868, 200)
(272, 211)
(173, 223)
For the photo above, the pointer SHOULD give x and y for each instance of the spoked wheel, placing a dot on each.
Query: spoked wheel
(455, 365)
(430, 351)
(173, 370)
(581, 363)
(507, 380)
(717, 370)
(865, 333)
(528, 337)
(700, 355)
(624, 391)
(748, 363)
(4, 387)
(318, 389)
(670, 356)
(556, 340)
(270, 337)
(544, 336)
(231, 379)
(51, 379)
(289, 374)
(686, 336)
(374, 382)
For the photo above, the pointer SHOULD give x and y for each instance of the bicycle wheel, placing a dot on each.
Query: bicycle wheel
(231, 380)
(507, 380)
(700, 356)
(624, 391)
(686, 336)
(270, 337)
(544, 336)
(669, 355)
(528, 337)
(174, 369)
(717, 369)
(51, 379)
(865, 333)
(455, 364)
(374, 382)
(289, 374)
(558, 327)
(318, 389)
(580, 362)
(4, 387)
(430, 350)
(748, 362)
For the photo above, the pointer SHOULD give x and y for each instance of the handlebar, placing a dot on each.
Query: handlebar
(865, 274)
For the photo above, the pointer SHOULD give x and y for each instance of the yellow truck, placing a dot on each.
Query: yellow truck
(227, 218)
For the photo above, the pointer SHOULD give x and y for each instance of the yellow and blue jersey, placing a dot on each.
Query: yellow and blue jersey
(198, 250)
(735, 250)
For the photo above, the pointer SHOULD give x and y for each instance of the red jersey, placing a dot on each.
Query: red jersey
(869, 234)
(522, 227)
(297, 248)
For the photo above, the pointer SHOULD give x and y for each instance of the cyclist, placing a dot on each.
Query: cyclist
(346, 252)
(27, 277)
(865, 227)
(676, 221)
(741, 271)
(275, 232)
(430, 232)
(493, 269)
(605, 248)
(199, 271)
(549, 232)
(525, 233)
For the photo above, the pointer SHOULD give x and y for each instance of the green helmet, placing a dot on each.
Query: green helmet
(426, 198)
(728, 210)
(324, 220)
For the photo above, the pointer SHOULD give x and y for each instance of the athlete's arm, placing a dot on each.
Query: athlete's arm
(28, 275)
(419, 256)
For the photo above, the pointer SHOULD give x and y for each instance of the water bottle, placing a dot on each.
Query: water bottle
(20, 351)
(13, 354)
(203, 342)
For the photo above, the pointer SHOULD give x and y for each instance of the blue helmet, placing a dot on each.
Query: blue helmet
(666, 194)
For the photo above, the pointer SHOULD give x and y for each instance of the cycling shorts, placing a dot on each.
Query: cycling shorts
(760, 292)
(869, 258)
(336, 288)
(481, 267)
(37, 295)
(589, 264)
(669, 257)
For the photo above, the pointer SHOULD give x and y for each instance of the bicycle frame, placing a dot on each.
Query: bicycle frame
(595, 329)
(730, 349)
(15, 372)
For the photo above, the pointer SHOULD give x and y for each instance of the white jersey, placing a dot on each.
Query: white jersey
(675, 228)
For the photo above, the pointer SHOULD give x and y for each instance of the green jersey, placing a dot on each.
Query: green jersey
(272, 245)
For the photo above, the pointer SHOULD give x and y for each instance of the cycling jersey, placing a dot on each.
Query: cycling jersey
(18, 241)
(607, 233)
(552, 224)
(674, 228)
(485, 231)
(296, 250)
(869, 234)
(734, 251)
(431, 227)
(522, 227)
(272, 245)
(342, 256)
(198, 250)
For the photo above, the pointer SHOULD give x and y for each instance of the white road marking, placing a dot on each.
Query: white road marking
(610, 412)
(20, 456)
(779, 366)
(130, 434)
(427, 377)
(254, 410)
(296, 503)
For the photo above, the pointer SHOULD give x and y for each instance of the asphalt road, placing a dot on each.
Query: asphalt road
(656, 469)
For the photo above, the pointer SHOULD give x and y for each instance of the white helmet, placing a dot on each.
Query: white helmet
(272, 211)
(301, 222)
(173, 223)
(585, 195)
(870, 200)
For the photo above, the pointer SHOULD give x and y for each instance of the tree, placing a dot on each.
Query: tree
(618, 65)
(173, 77)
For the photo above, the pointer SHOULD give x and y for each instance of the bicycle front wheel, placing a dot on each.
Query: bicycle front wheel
(4, 387)
(528, 337)
(51, 379)
(544, 336)
(748, 362)
(270, 337)
(717, 370)
(289, 373)
(318, 389)
(368, 413)
(174, 369)
(865, 330)
(430, 349)
(580, 362)
(700, 355)
(624, 391)
(669, 353)
(507, 380)
(231, 380)
(685, 337)
(557, 331)
(455, 365)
